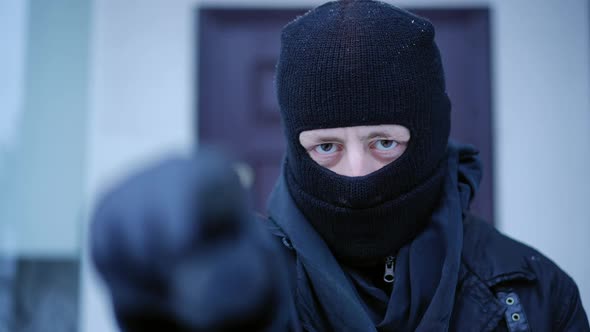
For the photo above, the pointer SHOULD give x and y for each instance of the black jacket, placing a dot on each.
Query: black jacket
(507, 286)
(503, 285)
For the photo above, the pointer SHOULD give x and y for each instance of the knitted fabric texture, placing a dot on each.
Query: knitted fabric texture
(359, 63)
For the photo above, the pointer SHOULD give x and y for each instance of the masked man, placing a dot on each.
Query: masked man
(372, 207)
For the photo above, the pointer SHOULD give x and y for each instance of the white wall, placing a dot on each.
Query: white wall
(142, 105)
(13, 32)
(542, 130)
(43, 108)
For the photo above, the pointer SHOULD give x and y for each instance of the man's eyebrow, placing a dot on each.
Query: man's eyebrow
(322, 138)
(374, 134)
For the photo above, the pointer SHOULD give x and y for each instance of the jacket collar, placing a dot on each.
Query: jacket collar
(492, 257)
(332, 288)
(488, 260)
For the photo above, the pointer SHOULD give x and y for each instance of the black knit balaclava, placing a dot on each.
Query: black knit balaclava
(360, 63)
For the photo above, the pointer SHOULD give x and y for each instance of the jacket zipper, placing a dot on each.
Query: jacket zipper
(389, 276)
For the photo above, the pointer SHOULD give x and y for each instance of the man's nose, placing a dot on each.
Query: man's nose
(358, 162)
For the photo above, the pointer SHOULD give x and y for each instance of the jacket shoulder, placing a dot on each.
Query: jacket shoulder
(504, 263)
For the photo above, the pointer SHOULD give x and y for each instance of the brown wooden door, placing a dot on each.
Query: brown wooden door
(237, 109)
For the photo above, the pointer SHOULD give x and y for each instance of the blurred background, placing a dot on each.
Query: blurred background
(90, 90)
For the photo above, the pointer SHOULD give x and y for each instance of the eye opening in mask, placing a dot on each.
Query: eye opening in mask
(355, 151)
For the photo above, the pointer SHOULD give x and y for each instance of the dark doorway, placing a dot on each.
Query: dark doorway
(237, 108)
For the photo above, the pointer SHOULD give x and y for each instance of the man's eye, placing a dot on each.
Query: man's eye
(326, 148)
(385, 144)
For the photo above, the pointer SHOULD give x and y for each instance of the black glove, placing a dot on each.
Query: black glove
(180, 251)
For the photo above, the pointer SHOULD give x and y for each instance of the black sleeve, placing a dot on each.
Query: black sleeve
(572, 316)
